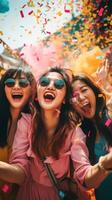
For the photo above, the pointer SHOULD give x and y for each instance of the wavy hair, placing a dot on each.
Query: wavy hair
(101, 116)
(4, 103)
(66, 122)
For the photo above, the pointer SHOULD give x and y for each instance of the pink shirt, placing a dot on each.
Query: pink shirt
(23, 156)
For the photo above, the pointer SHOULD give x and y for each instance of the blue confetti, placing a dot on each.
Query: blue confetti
(4, 6)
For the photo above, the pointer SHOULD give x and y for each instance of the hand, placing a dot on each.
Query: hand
(102, 71)
(106, 161)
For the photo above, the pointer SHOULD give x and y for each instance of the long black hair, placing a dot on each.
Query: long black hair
(66, 122)
(4, 103)
(101, 117)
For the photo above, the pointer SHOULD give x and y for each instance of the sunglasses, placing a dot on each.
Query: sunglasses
(58, 84)
(10, 82)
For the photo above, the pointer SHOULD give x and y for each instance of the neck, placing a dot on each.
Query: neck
(51, 119)
(14, 113)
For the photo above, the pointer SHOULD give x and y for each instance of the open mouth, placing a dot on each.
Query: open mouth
(86, 108)
(49, 96)
(17, 96)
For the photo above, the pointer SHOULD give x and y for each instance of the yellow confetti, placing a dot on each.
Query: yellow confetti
(1, 33)
(59, 13)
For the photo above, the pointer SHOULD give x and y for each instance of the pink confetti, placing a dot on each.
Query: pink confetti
(48, 32)
(30, 12)
(108, 122)
(75, 94)
(45, 21)
(66, 10)
(89, 133)
(5, 188)
(21, 13)
(100, 11)
(21, 54)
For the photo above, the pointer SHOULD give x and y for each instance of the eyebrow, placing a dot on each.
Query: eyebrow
(83, 86)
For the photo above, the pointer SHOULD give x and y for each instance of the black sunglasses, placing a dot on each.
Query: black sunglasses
(45, 81)
(10, 82)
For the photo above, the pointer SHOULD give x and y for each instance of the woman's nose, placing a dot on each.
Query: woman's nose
(16, 84)
(81, 97)
(51, 84)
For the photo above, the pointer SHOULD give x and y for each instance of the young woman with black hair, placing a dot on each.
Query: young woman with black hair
(15, 95)
(49, 133)
(93, 157)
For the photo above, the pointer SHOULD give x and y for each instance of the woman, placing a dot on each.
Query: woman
(93, 156)
(49, 134)
(15, 95)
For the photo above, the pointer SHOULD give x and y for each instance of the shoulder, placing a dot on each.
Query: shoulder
(79, 134)
(24, 123)
(25, 118)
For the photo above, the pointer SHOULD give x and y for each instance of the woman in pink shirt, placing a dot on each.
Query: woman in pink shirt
(49, 134)
(93, 150)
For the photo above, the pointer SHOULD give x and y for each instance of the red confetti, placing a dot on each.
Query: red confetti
(48, 32)
(24, 6)
(21, 13)
(5, 188)
(30, 12)
(21, 54)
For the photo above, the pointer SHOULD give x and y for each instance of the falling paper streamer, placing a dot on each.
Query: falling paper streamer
(4, 6)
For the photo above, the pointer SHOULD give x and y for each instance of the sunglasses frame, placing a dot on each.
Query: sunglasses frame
(46, 82)
(10, 82)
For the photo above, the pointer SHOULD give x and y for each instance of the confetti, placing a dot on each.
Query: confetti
(48, 32)
(5, 188)
(101, 12)
(67, 9)
(21, 13)
(1, 33)
(30, 12)
(4, 6)
(24, 6)
(108, 122)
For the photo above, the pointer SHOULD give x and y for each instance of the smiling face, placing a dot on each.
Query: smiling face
(84, 100)
(18, 91)
(51, 91)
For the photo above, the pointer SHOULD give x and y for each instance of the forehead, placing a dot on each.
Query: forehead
(19, 75)
(79, 84)
(54, 75)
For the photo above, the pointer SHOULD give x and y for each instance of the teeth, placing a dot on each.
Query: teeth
(85, 104)
(15, 93)
(49, 94)
(17, 96)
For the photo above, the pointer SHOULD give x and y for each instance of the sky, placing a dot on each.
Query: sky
(29, 21)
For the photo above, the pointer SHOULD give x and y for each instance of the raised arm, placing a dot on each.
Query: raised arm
(17, 170)
(88, 175)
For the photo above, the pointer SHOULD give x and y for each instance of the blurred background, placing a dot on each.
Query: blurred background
(80, 30)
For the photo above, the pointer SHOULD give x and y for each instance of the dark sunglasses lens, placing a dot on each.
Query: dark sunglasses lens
(59, 84)
(44, 81)
(10, 82)
(23, 83)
